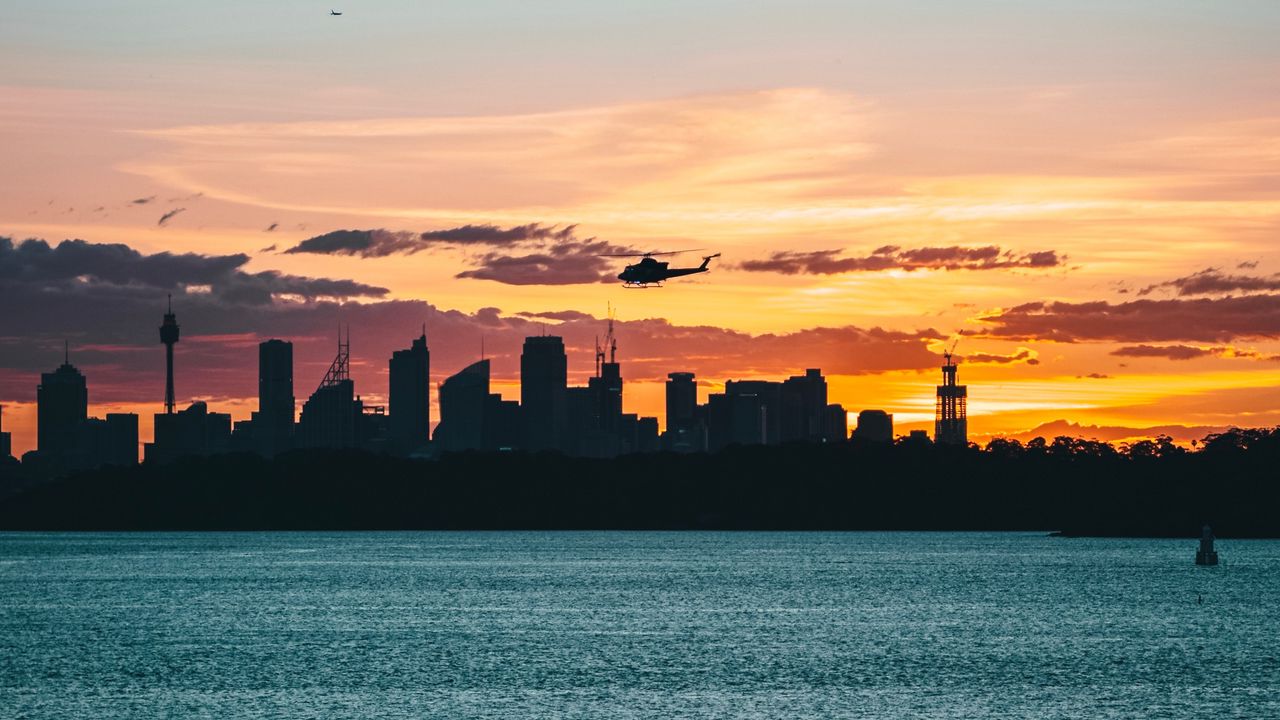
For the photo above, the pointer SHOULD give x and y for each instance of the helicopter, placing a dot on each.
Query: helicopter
(650, 273)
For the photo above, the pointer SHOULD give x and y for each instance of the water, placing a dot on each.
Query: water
(615, 625)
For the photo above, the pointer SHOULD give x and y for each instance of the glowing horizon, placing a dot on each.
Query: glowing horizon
(1122, 167)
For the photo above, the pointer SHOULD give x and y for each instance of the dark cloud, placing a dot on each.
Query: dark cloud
(142, 200)
(1172, 352)
(1211, 320)
(380, 243)
(169, 215)
(271, 228)
(1212, 281)
(494, 235)
(892, 257)
(94, 271)
(1023, 355)
(1188, 352)
(560, 315)
(564, 263)
(1247, 265)
(364, 243)
(1095, 376)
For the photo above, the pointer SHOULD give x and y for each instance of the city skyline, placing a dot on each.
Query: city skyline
(1098, 219)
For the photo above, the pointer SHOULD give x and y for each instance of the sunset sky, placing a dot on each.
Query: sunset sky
(1088, 191)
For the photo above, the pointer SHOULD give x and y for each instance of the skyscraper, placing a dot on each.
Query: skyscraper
(682, 400)
(804, 407)
(328, 417)
(273, 423)
(544, 370)
(409, 398)
(62, 405)
(464, 398)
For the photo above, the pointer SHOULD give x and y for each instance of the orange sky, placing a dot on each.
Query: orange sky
(1140, 147)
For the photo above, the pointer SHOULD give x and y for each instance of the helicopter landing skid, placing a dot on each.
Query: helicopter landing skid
(640, 286)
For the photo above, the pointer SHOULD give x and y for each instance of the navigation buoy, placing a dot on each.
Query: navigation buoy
(1206, 555)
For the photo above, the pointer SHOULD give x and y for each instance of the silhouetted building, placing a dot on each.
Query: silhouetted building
(191, 432)
(6, 442)
(951, 423)
(62, 406)
(409, 398)
(272, 425)
(329, 416)
(682, 399)
(803, 408)
(501, 423)
(754, 412)
(647, 435)
(686, 424)
(109, 441)
(874, 426)
(836, 423)
(169, 336)
(373, 426)
(464, 401)
(543, 384)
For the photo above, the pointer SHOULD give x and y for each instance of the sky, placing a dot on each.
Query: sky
(1084, 195)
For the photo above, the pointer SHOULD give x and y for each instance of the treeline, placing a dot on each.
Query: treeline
(1074, 486)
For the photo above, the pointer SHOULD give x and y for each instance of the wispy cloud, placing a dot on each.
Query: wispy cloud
(892, 257)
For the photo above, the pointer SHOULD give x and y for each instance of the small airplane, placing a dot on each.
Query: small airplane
(650, 273)
(334, 12)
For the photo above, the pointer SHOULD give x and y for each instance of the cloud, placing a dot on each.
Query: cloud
(1172, 352)
(271, 228)
(1210, 320)
(381, 242)
(1023, 355)
(564, 263)
(559, 315)
(364, 243)
(93, 272)
(1095, 376)
(142, 200)
(1211, 281)
(891, 257)
(494, 235)
(169, 215)
(1189, 352)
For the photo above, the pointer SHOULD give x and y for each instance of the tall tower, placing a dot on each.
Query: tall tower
(951, 418)
(169, 336)
(409, 396)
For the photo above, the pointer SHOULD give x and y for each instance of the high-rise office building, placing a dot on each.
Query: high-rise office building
(329, 417)
(62, 406)
(682, 400)
(409, 398)
(191, 432)
(543, 384)
(273, 422)
(464, 398)
(803, 407)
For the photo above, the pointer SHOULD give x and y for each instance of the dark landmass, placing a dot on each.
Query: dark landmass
(1077, 487)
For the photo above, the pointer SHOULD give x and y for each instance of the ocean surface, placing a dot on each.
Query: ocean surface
(644, 625)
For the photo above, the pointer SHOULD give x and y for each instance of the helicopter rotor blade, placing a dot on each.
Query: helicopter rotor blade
(651, 254)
